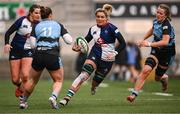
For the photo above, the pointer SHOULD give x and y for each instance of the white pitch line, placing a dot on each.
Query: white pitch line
(162, 94)
(160, 99)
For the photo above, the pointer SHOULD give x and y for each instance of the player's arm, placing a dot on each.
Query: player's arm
(65, 35)
(165, 37)
(143, 41)
(120, 38)
(148, 34)
(89, 37)
(15, 26)
(11, 30)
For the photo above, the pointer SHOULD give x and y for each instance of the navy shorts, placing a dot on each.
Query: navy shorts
(103, 67)
(48, 61)
(19, 54)
(164, 57)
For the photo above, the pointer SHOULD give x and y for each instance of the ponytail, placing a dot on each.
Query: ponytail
(106, 9)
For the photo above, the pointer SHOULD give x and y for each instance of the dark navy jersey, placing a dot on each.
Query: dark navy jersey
(23, 28)
(104, 38)
(48, 33)
(164, 28)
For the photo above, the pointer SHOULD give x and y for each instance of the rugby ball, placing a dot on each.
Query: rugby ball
(83, 44)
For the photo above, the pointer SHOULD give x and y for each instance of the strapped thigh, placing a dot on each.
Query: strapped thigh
(88, 68)
(98, 77)
(151, 61)
(161, 70)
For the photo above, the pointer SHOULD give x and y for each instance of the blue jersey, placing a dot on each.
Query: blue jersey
(48, 33)
(160, 29)
(23, 28)
(104, 38)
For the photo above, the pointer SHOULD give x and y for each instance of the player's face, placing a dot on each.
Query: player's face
(35, 14)
(160, 14)
(101, 19)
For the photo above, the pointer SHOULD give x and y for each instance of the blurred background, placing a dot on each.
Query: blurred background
(132, 17)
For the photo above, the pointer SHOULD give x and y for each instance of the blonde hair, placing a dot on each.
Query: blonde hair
(106, 9)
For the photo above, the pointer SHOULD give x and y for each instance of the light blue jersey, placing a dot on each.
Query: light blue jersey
(48, 33)
(159, 29)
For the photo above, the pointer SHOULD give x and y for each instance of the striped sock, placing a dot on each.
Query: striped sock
(54, 95)
(134, 92)
(23, 98)
(70, 93)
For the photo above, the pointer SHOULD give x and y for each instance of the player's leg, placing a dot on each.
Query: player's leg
(87, 70)
(15, 66)
(102, 70)
(150, 63)
(56, 71)
(15, 75)
(29, 87)
(57, 77)
(35, 72)
(134, 73)
(97, 79)
(161, 76)
(164, 63)
(25, 70)
(164, 82)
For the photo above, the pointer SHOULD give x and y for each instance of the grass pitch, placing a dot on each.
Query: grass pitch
(108, 100)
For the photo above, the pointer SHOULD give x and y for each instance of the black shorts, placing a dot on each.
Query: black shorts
(164, 57)
(48, 61)
(103, 67)
(19, 54)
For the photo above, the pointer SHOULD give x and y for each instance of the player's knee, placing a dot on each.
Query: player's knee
(98, 77)
(151, 62)
(88, 68)
(16, 81)
(159, 73)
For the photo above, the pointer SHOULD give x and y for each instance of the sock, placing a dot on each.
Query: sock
(70, 93)
(23, 98)
(134, 92)
(54, 95)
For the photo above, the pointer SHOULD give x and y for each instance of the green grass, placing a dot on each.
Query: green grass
(110, 100)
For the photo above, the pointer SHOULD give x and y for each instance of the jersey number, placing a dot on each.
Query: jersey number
(47, 31)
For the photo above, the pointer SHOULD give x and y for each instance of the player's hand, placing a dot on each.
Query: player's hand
(139, 43)
(111, 55)
(145, 43)
(7, 48)
(76, 48)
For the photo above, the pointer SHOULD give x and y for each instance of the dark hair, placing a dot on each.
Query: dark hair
(33, 7)
(45, 12)
(167, 10)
